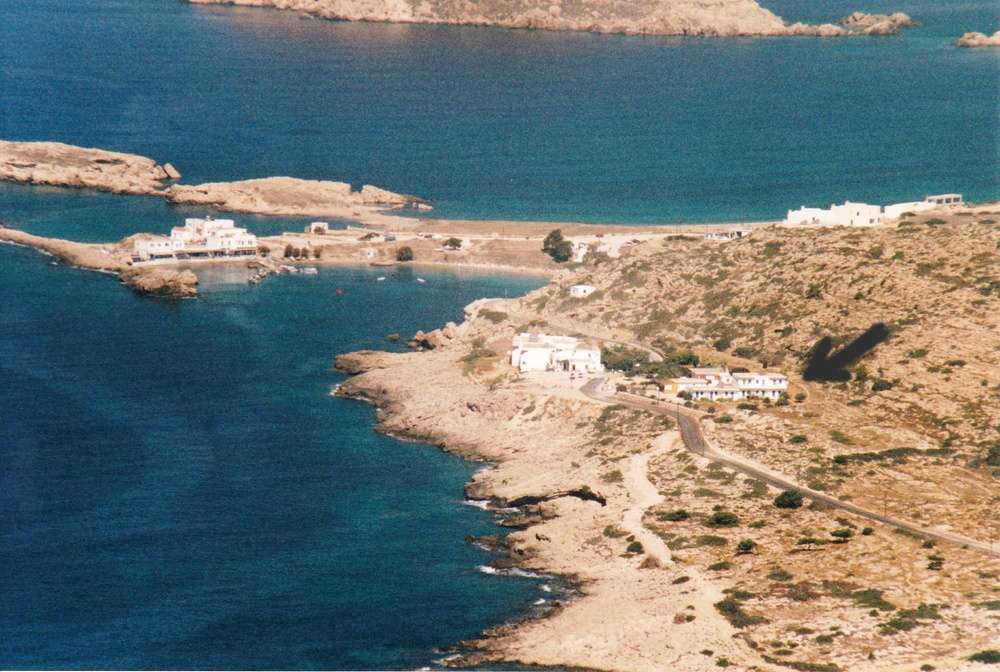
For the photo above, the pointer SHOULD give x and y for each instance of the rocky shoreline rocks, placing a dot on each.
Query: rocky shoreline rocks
(58, 164)
(718, 18)
(979, 40)
(150, 280)
(285, 196)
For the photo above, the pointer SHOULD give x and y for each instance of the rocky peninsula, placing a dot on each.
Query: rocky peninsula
(58, 164)
(638, 17)
(112, 258)
(663, 581)
(288, 196)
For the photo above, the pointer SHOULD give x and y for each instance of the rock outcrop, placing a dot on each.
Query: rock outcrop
(63, 165)
(161, 282)
(284, 196)
(878, 24)
(637, 17)
(979, 40)
(114, 258)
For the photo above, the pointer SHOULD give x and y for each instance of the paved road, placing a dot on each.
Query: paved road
(695, 442)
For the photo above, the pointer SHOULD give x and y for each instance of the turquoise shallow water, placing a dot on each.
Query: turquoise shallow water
(177, 487)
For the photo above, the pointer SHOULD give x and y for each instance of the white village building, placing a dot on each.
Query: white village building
(862, 214)
(581, 291)
(718, 383)
(545, 352)
(198, 239)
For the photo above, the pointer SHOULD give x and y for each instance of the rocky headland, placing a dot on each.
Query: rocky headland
(57, 164)
(287, 196)
(112, 258)
(979, 40)
(638, 17)
(662, 583)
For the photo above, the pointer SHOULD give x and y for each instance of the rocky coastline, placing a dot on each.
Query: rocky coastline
(658, 588)
(58, 164)
(716, 18)
(61, 165)
(111, 258)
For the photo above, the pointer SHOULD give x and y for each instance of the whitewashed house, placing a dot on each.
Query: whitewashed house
(848, 214)
(581, 291)
(198, 239)
(929, 203)
(545, 352)
(718, 383)
(318, 227)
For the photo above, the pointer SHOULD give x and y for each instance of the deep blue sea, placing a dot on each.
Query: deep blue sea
(177, 487)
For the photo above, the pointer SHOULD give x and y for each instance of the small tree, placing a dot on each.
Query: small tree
(404, 254)
(453, 243)
(554, 245)
(789, 499)
(263, 250)
(746, 546)
(288, 250)
(843, 534)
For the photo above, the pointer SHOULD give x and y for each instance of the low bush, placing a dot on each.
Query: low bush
(673, 516)
(722, 519)
(789, 499)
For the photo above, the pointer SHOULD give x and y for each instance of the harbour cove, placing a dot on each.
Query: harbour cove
(178, 486)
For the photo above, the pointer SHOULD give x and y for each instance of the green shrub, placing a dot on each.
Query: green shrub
(494, 316)
(613, 477)
(710, 540)
(720, 566)
(839, 437)
(989, 656)
(722, 344)
(797, 438)
(404, 254)
(881, 384)
(634, 547)
(872, 598)
(789, 499)
(722, 420)
(680, 579)
(993, 455)
(867, 531)
(746, 546)
(733, 611)
(800, 397)
(778, 574)
(843, 534)
(722, 519)
(673, 516)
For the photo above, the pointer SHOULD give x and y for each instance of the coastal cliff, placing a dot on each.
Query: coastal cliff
(638, 17)
(661, 580)
(58, 164)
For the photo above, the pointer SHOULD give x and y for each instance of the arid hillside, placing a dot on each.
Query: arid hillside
(930, 393)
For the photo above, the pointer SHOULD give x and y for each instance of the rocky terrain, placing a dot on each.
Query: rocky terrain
(285, 196)
(114, 258)
(65, 165)
(914, 434)
(638, 17)
(979, 40)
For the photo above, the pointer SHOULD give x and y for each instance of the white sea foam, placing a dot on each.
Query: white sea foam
(546, 587)
(486, 569)
(478, 503)
(333, 391)
(539, 602)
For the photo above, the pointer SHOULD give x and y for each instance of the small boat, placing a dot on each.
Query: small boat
(253, 264)
(421, 280)
(310, 271)
(381, 278)
(339, 292)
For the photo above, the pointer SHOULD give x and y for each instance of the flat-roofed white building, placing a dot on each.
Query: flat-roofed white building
(581, 291)
(198, 239)
(768, 385)
(848, 214)
(718, 383)
(545, 352)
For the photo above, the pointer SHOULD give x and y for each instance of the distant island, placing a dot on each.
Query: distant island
(636, 17)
